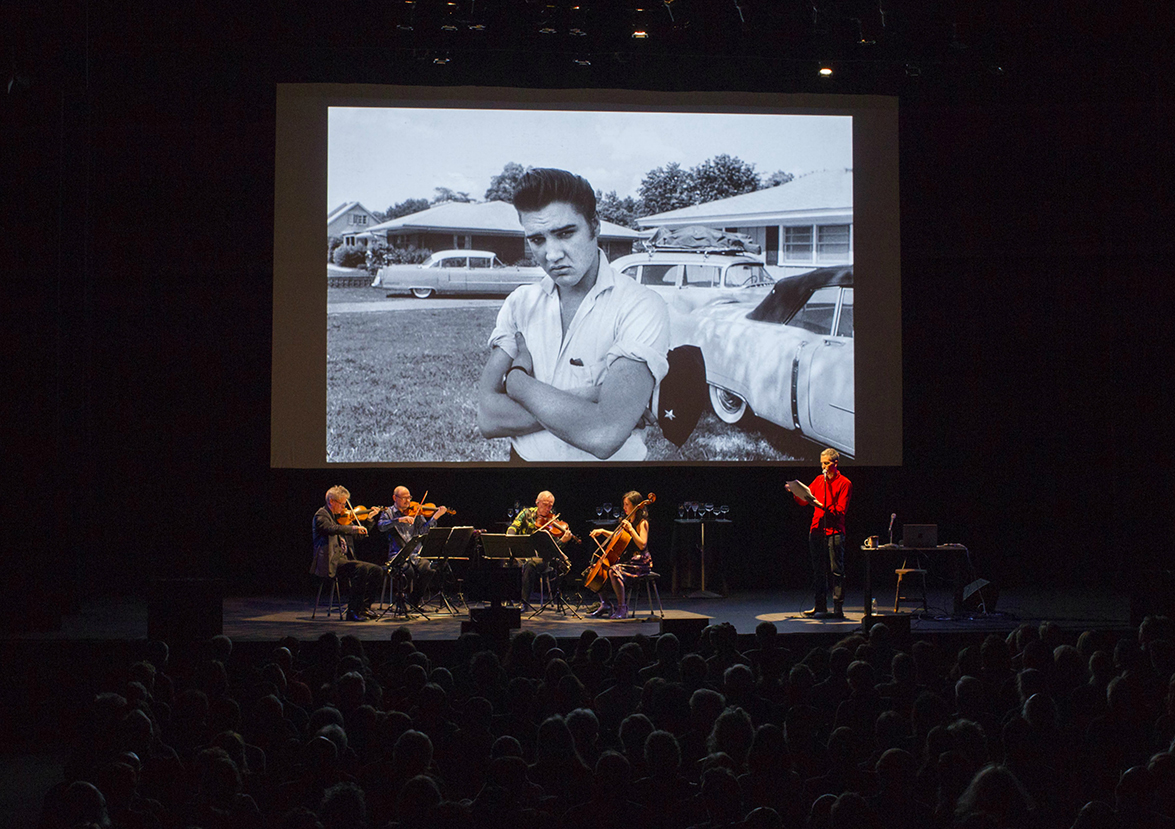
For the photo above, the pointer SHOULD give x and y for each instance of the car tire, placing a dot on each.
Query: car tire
(422, 293)
(728, 406)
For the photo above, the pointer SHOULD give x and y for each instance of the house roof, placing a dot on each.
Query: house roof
(492, 217)
(824, 190)
(344, 208)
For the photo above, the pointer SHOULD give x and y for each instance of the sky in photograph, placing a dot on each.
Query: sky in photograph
(381, 156)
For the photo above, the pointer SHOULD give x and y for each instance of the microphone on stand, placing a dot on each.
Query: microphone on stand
(891, 520)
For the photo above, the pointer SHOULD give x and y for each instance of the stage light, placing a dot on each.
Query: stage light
(825, 70)
(442, 60)
(582, 61)
(409, 21)
(640, 34)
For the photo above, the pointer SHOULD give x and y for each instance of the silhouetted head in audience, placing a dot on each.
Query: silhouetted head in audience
(995, 791)
(732, 734)
(344, 806)
(412, 754)
(662, 755)
(850, 811)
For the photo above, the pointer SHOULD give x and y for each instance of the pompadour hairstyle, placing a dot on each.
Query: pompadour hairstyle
(540, 186)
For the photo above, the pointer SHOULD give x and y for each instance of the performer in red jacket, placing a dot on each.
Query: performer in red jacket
(829, 494)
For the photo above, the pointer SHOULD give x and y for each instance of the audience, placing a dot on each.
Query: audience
(1038, 730)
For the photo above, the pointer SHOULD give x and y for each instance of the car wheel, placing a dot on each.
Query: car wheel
(422, 293)
(729, 407)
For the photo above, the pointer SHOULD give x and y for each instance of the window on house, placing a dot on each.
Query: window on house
(832, 242)
(797, 243)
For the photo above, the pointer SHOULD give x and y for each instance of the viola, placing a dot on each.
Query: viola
(610, 553)
(558, 530)
(360, 513)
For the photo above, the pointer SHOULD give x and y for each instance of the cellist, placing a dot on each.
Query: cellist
(635, 561)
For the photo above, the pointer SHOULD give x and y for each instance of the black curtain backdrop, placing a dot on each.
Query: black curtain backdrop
(138, 173)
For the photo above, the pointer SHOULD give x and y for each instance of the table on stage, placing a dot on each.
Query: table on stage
(957, 552)
(687, 524)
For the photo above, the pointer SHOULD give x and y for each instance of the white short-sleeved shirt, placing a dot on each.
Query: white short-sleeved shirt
(618, 318)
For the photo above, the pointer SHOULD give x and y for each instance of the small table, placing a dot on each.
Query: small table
(702, 592)
(957, 552)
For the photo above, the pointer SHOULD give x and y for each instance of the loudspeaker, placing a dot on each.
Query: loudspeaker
(185, 610)
(1153, 594)
(980, 594)
(686, 630)
(494, 623)
(899, 628)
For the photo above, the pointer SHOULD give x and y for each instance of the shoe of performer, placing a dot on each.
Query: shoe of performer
(621, 612)
(600, 612)
(370, 614)
(838, 610)
(816, 612)
(355, 617)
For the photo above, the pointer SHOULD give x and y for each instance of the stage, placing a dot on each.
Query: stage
(269, 618)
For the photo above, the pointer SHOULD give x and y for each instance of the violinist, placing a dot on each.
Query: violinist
(530, 520)
(334, 554)
(635, 562)
(402, 523)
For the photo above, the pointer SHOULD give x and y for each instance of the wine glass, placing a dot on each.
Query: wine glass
(681, 510)
(599, 511)
(722, 510)
(607, 508)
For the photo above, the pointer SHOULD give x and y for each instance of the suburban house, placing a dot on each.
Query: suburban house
(803, 224)
(481, 226)
(348, 220)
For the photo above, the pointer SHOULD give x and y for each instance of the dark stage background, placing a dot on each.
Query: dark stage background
(138, 145)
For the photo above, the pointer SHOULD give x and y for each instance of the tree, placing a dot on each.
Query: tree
(406, 207)
(777, 178)
(612, 208)
(503, 185)
(444, 194)
(666, 188)
(721, 177)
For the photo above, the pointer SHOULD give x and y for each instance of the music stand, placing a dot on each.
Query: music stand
(504, 547)
(399, 606)
(544, 547)
(441, 544)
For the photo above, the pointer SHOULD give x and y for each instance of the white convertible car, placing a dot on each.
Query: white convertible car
(788, 358)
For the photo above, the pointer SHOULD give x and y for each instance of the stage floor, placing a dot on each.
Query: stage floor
(268, 618)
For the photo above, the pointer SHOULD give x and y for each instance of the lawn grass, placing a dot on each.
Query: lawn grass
(402, 388)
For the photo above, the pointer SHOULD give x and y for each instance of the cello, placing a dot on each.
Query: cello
(610, 553)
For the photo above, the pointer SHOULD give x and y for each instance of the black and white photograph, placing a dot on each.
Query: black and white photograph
(730, 233)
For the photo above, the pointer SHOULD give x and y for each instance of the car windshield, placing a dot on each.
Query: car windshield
(747, 275)
(479, 261)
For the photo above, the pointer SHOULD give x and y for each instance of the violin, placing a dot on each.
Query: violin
(361, 513)
(610, 553)
(428, 510)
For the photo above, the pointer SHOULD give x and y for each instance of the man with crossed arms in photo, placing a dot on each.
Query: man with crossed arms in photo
(574, 358)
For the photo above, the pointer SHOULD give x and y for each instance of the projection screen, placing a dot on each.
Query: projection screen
(766, 226)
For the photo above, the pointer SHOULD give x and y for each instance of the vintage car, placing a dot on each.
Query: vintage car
(691, 272)
(456, 272)
(788, 358)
